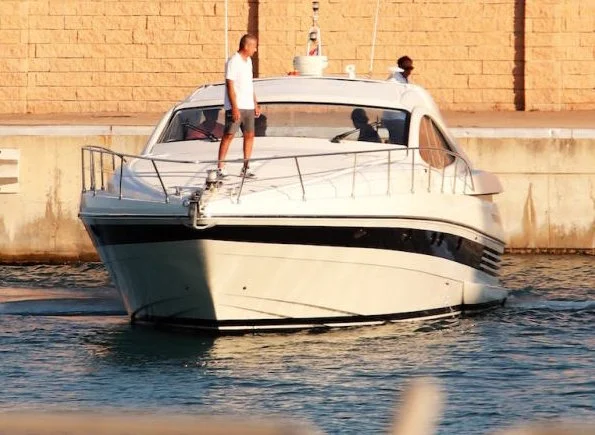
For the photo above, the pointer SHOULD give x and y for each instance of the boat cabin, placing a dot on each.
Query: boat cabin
(338, 110)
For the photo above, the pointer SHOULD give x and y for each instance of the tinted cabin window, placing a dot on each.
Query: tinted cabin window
(205, 120)
(433, 148)
(342, 122)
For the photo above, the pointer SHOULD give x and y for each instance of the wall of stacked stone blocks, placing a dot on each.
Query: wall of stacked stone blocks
(141, 56)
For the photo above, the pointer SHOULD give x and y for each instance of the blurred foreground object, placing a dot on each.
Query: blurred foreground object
(552, 429)
(102, 424)
(419, 413)
(420, 409)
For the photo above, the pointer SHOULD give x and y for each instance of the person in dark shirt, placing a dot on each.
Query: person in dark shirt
(209, 125)
(360, 120)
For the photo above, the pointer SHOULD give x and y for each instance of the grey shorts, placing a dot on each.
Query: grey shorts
(246, 122)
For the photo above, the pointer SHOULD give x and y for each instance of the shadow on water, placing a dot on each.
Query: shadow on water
(61, 302)
(134, 344)
(130, 345)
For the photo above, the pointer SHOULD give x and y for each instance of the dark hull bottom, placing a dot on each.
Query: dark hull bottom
(240, 327)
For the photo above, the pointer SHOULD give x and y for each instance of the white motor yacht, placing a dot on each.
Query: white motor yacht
(364, 210)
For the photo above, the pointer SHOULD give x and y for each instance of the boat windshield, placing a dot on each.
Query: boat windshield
(334, 122)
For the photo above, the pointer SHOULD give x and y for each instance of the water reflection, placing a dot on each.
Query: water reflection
(78, 275)
(250, 352)
(60, 301)
(568, 276)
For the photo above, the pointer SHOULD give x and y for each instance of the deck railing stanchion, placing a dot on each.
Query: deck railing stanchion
(429, 177)
(471, 178)
(160, 180)
(101, 170)
(388, 175)
(354, 169)
(121, 175)
(83, 169)
(297, 165)
(241, 187)
(454, 180)
(92, 173)
(412, 171)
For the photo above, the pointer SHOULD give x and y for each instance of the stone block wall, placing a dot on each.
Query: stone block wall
(559, 52)
(143, 55)
(463, 51)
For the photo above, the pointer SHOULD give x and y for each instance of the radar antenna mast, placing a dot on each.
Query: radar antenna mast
(313, 63)
(314, 46)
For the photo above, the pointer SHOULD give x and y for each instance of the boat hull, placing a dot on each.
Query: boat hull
(230, 278)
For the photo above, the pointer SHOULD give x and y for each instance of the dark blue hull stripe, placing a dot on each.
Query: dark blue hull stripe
(425, 242)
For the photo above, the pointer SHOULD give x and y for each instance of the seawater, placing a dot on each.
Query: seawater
(66, 344)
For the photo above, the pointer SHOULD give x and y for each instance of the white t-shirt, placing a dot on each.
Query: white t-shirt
(389, 115)
(398, 77)
(240, 72)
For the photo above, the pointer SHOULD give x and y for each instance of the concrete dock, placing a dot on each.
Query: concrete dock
(545, 161)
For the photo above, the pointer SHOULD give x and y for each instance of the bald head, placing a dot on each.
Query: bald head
(248, 45)
(245, 39)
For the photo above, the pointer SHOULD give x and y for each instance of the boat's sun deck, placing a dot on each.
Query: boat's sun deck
(295, 169)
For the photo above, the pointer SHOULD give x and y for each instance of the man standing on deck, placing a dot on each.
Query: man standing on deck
(240, 103)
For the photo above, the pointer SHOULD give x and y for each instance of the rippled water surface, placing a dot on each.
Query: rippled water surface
(66, 344)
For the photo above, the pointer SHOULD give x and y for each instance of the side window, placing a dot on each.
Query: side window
(432, 145)
(397, 125)
(177, 128)
(195, 123)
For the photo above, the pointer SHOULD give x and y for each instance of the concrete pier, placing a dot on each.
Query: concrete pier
(545, 160)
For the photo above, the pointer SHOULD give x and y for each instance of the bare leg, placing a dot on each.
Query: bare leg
(248, 143)
(223, 148)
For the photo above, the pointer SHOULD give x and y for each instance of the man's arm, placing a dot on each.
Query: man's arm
(256, 106)
(231, 93)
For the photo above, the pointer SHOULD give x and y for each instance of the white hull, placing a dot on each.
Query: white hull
(243, 286)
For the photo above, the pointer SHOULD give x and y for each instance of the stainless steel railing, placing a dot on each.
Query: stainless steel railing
(94, 170)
